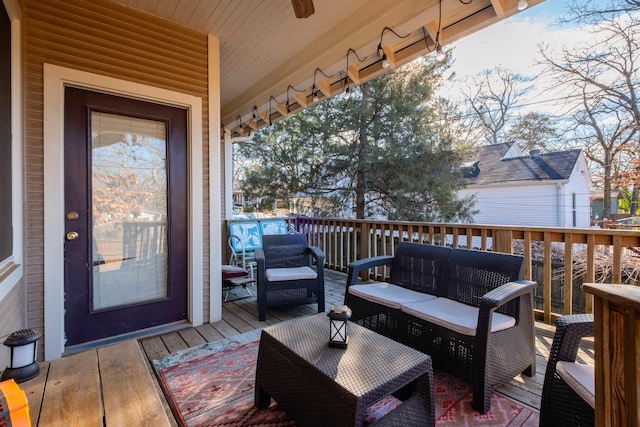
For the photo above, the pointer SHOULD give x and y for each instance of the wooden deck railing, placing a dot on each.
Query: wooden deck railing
(595, 255)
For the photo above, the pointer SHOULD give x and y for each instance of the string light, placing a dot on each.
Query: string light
(385, 61)
(277, 102)
(239, 125)
(314, 88)
(347, 87)
(345, 84)
(380, 50)
(300, 102)
(440, 54)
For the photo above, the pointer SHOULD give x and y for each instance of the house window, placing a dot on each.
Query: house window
(6, 205)
(573, 209)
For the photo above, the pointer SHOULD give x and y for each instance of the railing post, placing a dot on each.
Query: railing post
(616, 340)
(591, 271)
(503, 241)
(528, 274)
(547, 278)
(568, 273)
(365, 241)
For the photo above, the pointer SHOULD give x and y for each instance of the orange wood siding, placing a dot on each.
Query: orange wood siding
(109, 39)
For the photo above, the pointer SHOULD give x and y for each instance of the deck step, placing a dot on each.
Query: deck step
(72, 395)
(111, 386)
(130, 396)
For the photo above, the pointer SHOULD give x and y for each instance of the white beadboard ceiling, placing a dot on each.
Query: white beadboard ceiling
(265, 48)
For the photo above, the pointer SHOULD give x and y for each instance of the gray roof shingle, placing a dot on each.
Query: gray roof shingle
(491, 168)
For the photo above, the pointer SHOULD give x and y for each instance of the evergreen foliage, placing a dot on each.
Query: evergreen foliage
(382, 151)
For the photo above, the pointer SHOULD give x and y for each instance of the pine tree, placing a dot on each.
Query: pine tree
(382, 151)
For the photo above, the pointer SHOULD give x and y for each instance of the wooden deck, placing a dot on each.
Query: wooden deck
(115, 385)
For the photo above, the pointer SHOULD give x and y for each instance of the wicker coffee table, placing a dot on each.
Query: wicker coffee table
(322, 386)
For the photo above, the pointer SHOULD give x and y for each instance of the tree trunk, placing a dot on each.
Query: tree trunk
(361, 178)
(606, 201)
(360, 190)
(634, 200)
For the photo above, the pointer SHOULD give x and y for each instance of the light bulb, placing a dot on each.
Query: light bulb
(385, 62)
(347, 93)
(522, 4)
(315, 96)
(440, 54)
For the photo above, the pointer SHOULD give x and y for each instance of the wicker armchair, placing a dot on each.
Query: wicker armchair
(285, 272)
(561, 405)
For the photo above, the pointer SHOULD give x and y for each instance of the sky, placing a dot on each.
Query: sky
(511, 43)
(514, 45)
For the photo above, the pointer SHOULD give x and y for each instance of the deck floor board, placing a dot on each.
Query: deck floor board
(50, 393)
(224, 328)
(154, 347)
(209, 333)
(192, 337)
(174, 342)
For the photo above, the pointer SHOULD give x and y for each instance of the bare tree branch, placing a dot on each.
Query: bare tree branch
(604, 79)
(492, 95)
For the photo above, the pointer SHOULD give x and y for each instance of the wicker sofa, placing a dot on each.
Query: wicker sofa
(469, 310)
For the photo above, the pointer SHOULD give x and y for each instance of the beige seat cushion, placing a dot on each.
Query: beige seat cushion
(581, 378)
(290, 273)
(455, 315)
(387, 294)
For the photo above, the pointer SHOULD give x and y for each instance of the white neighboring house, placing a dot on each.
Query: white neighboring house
(535, 189)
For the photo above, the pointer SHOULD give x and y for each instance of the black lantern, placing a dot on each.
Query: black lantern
(24, 350)
(338, 316)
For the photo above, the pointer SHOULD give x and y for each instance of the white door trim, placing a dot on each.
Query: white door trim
(55, 80)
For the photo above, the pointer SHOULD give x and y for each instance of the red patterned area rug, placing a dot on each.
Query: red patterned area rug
(212, 385)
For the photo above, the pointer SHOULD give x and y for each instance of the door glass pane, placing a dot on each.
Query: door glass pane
(129, 206)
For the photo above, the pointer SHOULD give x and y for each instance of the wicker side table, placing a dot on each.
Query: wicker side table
(320, 386)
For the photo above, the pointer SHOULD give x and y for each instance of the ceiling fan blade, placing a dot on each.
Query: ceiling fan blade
(303, 8)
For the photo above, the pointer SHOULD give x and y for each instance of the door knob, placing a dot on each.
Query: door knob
(72, 235)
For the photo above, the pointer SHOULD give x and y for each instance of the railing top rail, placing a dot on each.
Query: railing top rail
(575, 230)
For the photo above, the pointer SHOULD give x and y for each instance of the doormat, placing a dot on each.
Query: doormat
(213, 385)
